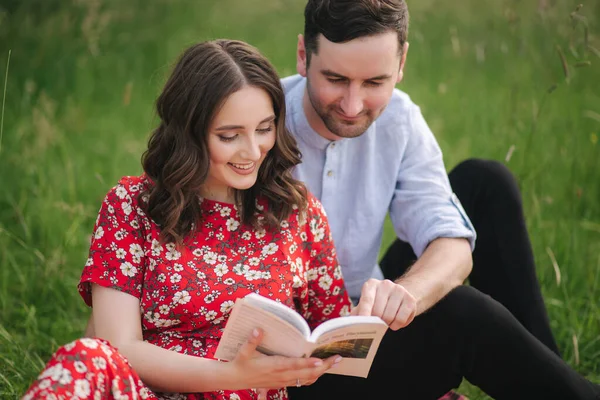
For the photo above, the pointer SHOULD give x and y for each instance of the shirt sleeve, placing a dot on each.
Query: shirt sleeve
(423, 206)
(116, 258)
(327, 296)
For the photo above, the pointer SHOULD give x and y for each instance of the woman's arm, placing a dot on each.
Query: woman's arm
(89, 329)
(117, 318)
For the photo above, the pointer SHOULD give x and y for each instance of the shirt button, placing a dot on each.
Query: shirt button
(330, 173)
(332, 145)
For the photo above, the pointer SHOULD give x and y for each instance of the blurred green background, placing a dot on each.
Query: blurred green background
(509, 80)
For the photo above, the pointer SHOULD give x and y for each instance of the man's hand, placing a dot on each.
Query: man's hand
(387, 300)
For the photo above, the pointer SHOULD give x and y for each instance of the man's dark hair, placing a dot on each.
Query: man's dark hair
(343, 20)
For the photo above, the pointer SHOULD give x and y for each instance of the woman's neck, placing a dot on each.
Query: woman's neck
(223, 195)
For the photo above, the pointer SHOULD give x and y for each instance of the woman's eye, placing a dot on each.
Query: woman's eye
(227, 138)
(265, 130)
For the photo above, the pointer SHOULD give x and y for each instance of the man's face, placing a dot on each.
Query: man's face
(349, 84)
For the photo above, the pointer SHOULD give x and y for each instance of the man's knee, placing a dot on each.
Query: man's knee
(486, 176)
(465, 304)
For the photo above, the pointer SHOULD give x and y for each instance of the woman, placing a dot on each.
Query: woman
(216, 215)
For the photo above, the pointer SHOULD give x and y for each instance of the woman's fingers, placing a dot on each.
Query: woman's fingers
(248, 349)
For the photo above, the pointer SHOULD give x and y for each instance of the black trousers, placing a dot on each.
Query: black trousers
(468, 333)
(503, 263)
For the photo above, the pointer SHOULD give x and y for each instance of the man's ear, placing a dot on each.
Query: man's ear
(402, 61)
(301, 57)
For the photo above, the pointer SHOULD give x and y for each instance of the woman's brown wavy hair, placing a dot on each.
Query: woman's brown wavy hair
(177, 160)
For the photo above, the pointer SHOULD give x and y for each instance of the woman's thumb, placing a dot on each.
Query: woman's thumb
(248, 348)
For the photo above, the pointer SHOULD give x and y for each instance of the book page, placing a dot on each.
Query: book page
(357, 343)
(281, 310)
(280, 337)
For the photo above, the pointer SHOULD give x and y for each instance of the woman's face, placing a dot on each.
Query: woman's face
(239, 138)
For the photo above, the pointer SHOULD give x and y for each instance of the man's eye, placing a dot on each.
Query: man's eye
(335, 80)
(373, 84)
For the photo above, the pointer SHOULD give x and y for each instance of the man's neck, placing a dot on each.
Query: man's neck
(314, 120)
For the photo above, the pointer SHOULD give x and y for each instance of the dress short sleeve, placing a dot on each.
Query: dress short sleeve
(116, 258)
(326, 291)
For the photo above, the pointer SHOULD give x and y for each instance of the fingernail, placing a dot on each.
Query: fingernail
(255, 332)
(318, 363)
(337, 360)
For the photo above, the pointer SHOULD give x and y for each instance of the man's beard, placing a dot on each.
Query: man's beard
(336, 125)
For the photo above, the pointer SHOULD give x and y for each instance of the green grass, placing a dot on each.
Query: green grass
(84, 75)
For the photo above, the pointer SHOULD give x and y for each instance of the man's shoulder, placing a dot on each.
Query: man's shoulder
(397, 115)
(290, 82)
(400, 105)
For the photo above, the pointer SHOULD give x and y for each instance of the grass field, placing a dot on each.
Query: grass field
(508, 80)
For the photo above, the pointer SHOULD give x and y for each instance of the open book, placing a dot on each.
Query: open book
(286, 333)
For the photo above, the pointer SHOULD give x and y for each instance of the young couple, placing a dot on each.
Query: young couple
(223, 210)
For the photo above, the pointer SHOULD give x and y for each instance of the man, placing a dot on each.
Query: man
(366, 150)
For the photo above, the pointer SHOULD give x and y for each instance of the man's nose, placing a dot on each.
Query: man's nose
(352, 102)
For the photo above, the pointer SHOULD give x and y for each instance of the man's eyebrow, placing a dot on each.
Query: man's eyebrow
(234, 127)
(332, 74)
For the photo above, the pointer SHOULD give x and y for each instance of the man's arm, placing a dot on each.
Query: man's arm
(426, 214)
(444, 265)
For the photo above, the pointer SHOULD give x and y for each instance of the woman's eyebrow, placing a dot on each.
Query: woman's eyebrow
(234, 127)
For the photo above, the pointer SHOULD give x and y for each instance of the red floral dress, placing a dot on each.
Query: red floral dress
(187, 293)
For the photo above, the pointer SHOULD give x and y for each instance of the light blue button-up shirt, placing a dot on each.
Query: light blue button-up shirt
(395, 166)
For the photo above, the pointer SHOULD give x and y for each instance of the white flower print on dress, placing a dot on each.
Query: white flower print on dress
(172, 253)
(128, 269)
(227, 306)
(246, 235)
(240, 269)
(120, 234)
(232, 224)
(210, 258)
(211, 315)
(325, 282)
(164, 309)
(260, 233)
(99, 363)
(45, 384)
(126, 206)
(79, 367)
(99, 233)
(175, 278)
(182, 297)
(89, 343)
(120, 254)
(311, 275)
(156, 248)
(269, 249)
(221, 269)
(229, 281)
(254, 261)
(252, 275)
(225, 212)
(136, 250)
(121, 192)
(82, 388)
(177, 267)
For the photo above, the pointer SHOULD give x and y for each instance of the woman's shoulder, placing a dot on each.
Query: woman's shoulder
(126, 193)
(129, 187)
